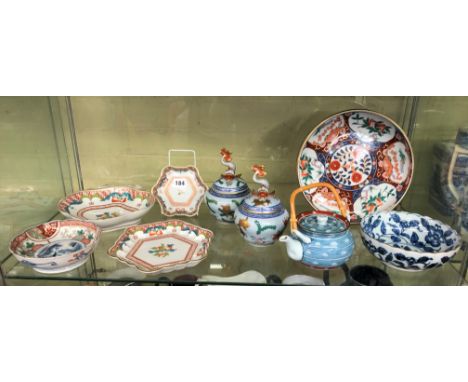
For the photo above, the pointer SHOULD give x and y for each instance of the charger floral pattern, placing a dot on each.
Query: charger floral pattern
(365, 155)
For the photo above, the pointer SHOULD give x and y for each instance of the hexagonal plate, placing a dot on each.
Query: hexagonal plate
(179, 191)
(162, 246)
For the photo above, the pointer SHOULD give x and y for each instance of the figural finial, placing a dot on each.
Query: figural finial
(226, 159)
(259, 173)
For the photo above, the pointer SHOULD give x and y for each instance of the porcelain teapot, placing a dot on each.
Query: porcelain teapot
(228, 192)
(261, 217)
(319, 239)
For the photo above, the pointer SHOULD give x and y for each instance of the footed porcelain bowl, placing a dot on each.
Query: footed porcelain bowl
(409, 241)
(56, 246)
(110, 208)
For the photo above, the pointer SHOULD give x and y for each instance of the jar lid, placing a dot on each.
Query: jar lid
(323, 223)
(230, 187)
(262, 203)
(262, 206)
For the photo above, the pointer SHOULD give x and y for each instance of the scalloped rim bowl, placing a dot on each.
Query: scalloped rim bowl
(409, 241)
(56, 246)
(110, 208)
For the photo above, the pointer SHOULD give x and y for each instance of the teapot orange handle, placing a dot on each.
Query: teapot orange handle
(292, 200)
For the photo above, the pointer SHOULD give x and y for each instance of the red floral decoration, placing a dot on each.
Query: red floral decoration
(335, 165)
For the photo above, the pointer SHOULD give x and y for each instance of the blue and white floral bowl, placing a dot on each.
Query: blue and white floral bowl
(409, 241)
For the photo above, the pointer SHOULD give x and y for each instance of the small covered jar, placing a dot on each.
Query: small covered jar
(226, 193)
(261, 217)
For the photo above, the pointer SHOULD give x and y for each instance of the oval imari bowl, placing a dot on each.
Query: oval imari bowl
(109, 208)
(409, 241)
(365, 155)
(56, 246)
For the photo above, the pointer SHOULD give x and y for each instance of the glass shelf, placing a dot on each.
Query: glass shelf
(228, 255)
(54, 146)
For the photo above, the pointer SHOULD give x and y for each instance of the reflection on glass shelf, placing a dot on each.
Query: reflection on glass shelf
(228, 255)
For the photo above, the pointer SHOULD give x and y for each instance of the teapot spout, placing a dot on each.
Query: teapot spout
(293, 247)
(305, 239)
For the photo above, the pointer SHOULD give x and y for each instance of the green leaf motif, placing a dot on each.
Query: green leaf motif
(311, 171)
(372, 201)
(260, 229)
(402, 156)
(380, 131)
(209, 200)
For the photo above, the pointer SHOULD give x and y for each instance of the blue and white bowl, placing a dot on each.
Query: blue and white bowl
(409, 241)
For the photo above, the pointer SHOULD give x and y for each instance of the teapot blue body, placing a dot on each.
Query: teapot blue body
(325, 250)
(319, 239)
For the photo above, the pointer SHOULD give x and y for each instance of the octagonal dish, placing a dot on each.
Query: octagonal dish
(365, 155)
(162, 247)
(110, 208)
(409, 241)
(56, 246)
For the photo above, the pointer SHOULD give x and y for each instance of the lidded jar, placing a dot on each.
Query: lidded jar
(261, 217)
(226, 193)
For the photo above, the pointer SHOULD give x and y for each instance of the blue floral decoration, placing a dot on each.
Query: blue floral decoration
(411, 232)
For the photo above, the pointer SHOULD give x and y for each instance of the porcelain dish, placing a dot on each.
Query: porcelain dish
(162, 247)
(179, 191)
(110, 208)
(56, 246)
(365, 155)
(409, 241)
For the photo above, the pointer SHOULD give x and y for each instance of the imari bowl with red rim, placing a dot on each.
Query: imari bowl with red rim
(110, 208)
(365, 155)
(56, 246)
(162, 247)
